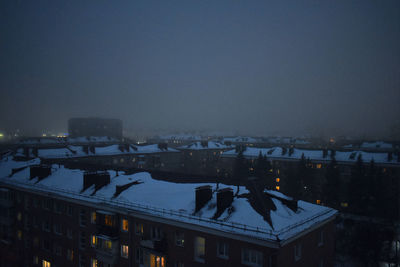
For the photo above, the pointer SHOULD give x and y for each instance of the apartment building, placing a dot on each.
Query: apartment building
(54, 216)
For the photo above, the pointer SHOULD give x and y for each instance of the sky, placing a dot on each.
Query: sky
(248, 67)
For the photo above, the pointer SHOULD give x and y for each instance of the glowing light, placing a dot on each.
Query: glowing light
(278, 180)
(44, 135)
(277, 187)
(1, 135)
(318, 201)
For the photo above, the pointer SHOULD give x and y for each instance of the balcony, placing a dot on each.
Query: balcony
(106, 224)
(157, 246)
(107, 249)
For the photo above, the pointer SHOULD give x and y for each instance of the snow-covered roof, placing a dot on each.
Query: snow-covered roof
(176, 202)
(91, 139)
(316, 155)
(239, 139)
(186, 137)
(205, 145)
(42, 140)
(377, 144)
(78, 151)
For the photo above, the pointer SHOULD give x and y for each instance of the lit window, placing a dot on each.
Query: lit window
(35, 260)
(297, 252)
(19, 216)
(93, 217)
(159, 261)
(191, 154)
(125, 225)
(94, 240)
(70, 255)
(124, 251)
(277, 187)
(344, 204)
(223, 250)
(19, 234)
(199, 249)
(93, 263)
(108, 244)
(108, 220)
(138, 228)
(179, 239)
(45, 263)
(252, 257)
(318, 201)
(319, 166)
(278, 171)
(278, 180)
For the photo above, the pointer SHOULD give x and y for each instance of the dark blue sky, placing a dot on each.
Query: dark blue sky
(283, 67)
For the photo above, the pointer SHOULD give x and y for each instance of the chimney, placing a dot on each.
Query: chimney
(204, 143)
(163, 146)
(26, 152)
(40, 171)
(224, 199)
(203, 195)
(99, 179)
(121, 148)
(35, 152)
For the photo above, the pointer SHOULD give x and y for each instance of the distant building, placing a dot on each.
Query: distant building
(84, 127)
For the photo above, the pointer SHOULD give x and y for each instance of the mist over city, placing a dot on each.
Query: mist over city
(259, 68)
(200, 133)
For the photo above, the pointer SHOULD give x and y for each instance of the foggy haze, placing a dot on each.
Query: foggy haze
(252, 67)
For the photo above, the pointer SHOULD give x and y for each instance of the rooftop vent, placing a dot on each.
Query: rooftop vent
(120, 188)
(163, 146)
(324, 153)
(40, 171)
(123, 147)
(99, 179)
(203, 195)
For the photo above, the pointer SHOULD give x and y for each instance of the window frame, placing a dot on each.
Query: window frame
(252, 254)
(225, 246)
(199, 245)
(297, 252)
(124, 254)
